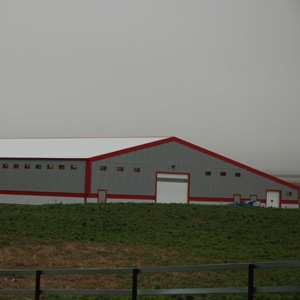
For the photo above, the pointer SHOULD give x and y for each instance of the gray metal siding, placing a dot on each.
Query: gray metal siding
(43, 180)
(187, 160)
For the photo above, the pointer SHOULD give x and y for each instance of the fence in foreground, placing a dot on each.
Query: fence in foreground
(134, 292)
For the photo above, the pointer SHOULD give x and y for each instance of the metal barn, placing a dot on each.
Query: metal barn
(149, 170)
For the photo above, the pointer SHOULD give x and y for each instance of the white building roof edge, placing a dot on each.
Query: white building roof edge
(67, 148)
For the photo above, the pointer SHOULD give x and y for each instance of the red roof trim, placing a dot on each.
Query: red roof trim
(235, 163)
(200, 149)
(165, 141)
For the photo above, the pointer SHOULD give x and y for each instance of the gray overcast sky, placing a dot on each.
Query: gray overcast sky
(224, 75)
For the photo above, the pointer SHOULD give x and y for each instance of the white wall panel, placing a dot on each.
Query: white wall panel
(91, 200)
(290, 205)
(210, 202)
(38, 200)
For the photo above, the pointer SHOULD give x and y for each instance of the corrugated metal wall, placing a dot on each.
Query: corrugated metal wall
(161, 159)
(150, 161)
(43, 180)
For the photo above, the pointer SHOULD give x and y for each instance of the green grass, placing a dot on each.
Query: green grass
(196, 234)
(224, 233)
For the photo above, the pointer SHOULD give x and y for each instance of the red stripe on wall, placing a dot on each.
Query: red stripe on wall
(116, 196)
(92, 196)
(203, 199)
(88, 176)
(142, 197)
(200, 149)
(131, 197)
(240, 165)
(289, 202)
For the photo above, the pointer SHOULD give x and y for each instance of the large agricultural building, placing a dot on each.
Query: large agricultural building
(151, 170)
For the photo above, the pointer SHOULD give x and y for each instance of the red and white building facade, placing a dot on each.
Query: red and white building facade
(141, 170)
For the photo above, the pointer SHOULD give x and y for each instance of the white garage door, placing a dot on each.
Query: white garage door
(171, 188)
(273, 199)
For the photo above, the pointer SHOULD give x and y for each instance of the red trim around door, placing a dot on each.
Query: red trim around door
(279, 196)
(174, 173)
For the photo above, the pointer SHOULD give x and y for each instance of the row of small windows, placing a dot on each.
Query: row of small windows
(207, 173)
(223, 174)
(39, 167)
(120, 169)
(104, 168)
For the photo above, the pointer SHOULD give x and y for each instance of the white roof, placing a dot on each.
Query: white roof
(67, 147)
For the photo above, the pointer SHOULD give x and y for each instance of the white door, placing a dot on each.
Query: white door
(172, 188)
(101, 196)
(273, 199)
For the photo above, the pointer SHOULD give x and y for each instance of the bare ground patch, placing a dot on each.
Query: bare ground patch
(66, 255)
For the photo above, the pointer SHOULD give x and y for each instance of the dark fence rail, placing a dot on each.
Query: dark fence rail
(250, 290)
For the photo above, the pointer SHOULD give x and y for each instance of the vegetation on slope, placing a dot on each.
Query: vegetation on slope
(129, 235)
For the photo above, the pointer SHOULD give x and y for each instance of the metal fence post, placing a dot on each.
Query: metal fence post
(251, 282)
(134, 283)
(37, 284)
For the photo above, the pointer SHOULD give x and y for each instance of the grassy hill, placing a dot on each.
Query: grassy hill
(128, 235)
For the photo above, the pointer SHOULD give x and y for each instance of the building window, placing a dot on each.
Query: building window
(223, 174)
(38, 167)
(238, 175)
(27, 166)
(5, 166)
(16, 166)
(73, 167)
(207, 173)
(289, 193)
(61, 167)
(103, 168)
(137, 170)
(120, 169)
(49, 167)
